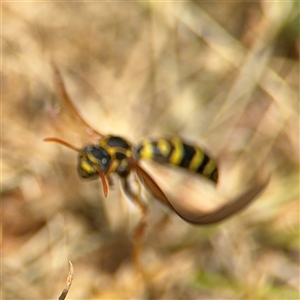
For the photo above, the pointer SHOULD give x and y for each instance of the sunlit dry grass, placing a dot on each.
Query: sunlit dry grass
(224, 75)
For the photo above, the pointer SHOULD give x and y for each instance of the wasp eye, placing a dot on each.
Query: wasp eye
(104, 161)
(97, 155)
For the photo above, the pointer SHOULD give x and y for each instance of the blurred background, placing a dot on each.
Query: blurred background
(223, 74)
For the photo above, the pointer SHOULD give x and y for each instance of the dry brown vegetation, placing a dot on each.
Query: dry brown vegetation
(222, 74)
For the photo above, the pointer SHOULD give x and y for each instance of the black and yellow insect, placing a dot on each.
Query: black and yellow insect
(114, 154)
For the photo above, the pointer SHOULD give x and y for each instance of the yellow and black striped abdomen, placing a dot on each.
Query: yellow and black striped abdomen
(176, 152)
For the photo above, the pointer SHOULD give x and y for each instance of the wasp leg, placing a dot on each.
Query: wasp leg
(140, 229)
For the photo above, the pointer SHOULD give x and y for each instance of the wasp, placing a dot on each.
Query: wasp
(116, 155)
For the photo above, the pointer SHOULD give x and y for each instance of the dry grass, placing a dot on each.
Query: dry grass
(222, 74)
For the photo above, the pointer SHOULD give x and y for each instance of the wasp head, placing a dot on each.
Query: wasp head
(91, 159)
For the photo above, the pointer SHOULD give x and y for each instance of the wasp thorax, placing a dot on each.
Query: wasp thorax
(93, 158)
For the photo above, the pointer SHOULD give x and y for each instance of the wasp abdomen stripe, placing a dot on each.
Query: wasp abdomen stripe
(188, 152)
(176, 152)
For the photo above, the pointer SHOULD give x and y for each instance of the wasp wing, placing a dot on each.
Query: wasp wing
(223, 212)
(66, 118)
(194, 213)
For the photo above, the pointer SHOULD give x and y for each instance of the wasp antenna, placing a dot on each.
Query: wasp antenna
(104, 181)
(62, 142)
